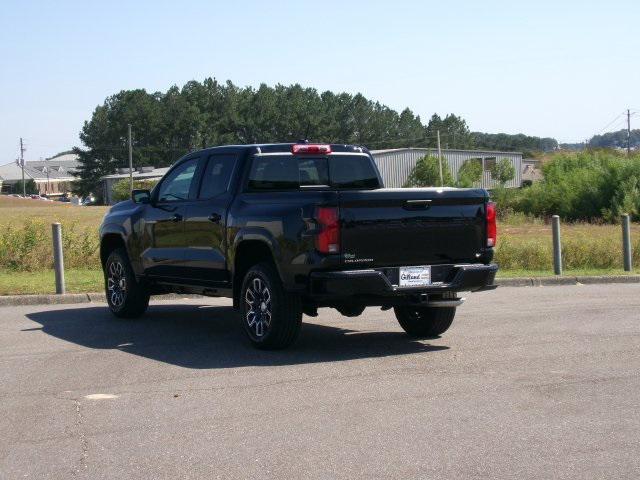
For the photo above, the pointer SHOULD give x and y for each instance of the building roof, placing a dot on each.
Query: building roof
(488, 152)
(62, 167)
(13, 172)
(155, 173)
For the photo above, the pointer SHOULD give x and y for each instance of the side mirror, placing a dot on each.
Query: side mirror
(141, 196)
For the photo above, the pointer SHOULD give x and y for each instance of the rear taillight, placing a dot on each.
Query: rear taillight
(492, 227)
(328, 237)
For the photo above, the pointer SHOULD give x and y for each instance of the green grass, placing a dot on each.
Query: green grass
(76, 280)
(565, 273)
(83, 280)
(524, 247)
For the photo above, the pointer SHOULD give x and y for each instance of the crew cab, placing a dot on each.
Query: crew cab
(284, 229)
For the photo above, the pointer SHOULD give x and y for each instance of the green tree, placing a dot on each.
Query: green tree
(120, 189)
(503, 171)
(470, 173)
(511, 143)
(426, 173)
(30, 187)
(167, 125)
(454, 132)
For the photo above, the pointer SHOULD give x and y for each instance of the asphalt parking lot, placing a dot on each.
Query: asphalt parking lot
(528, 383)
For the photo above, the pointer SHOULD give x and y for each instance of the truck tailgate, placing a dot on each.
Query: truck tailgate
(404, 227)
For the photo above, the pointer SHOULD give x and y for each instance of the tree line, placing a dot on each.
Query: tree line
(200, 114)
(616, 139)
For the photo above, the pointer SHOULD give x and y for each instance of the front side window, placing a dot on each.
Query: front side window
(177, 185)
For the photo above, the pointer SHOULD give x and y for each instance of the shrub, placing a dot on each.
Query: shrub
(426, 173)
(30, 187)
(470, 173)
(503, 171)
(588, 185)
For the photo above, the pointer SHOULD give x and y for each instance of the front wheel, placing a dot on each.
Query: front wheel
(425, 321)
(271, 316)
(126, 297)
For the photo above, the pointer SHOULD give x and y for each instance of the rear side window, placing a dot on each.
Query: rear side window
(215, 179)
(286, 172)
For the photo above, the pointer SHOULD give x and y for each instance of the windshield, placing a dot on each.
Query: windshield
(287, 172)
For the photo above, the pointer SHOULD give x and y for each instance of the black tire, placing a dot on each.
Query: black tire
(126, 297)
(271, 317)
(425, 321)
(350, 310)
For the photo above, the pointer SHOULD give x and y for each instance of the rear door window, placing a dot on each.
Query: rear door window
(217, 173)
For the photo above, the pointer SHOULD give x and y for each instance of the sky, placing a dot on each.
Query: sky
(562, 69)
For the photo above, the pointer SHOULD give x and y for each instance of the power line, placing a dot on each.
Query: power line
(610, 123)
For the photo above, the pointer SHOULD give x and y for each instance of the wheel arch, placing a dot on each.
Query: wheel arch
(248, 251)
(110, 239)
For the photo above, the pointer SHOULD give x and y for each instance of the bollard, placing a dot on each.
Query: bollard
(58, 258)
(626, 242)
(557, 247)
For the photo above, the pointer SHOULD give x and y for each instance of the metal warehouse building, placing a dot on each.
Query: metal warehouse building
(396, 165)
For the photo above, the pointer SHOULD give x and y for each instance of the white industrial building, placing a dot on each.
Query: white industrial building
(141, 173)
(396, 165)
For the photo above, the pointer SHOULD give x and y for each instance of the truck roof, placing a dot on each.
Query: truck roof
(284, 147)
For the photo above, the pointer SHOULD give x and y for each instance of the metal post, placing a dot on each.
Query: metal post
(440, 160)
(626, 242)
(58, 258)
(130, 162)
(24, 186)
(557, 247)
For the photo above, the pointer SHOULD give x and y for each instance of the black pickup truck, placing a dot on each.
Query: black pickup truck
(284, 229)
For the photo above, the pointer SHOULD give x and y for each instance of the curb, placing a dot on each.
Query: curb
(69, 298)
(98, 297)
(553, 281)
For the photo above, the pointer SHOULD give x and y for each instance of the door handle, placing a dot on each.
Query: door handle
(214, 217)
(176, 217)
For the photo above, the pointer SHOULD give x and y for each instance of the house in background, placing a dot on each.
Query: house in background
(396, 164)
(53, 177)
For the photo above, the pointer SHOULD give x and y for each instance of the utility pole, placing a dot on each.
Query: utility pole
(24, 187)
(440, 160)
(130, 162)
(628, 132)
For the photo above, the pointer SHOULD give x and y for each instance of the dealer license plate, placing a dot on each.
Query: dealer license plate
(415, 276)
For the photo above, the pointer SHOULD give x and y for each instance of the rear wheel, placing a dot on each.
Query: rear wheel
(126, 297)
(425, 321)
(271, 316)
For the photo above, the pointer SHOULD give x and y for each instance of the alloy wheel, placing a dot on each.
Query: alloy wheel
(117, 284)
(259, 308)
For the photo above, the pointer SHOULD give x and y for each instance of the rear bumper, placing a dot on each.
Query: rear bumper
(383, 282)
